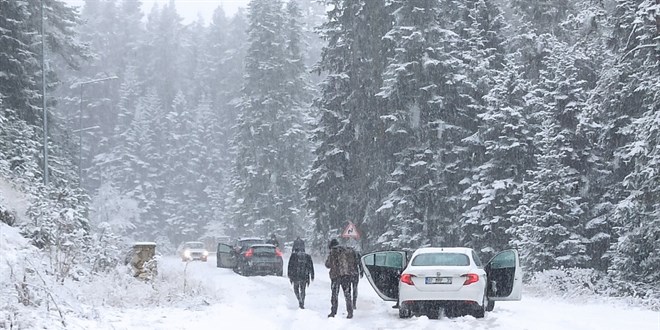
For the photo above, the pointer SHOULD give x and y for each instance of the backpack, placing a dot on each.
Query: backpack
(347, 261)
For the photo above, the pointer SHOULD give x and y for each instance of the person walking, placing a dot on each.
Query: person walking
(300, 270)
(341, 262)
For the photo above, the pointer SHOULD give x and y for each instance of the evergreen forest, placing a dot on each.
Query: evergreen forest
(492, 124)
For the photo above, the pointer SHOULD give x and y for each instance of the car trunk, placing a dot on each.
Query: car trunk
(263, 254)
(434, 279)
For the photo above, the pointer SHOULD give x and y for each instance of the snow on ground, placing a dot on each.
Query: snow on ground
(197, 295)
(268, 302)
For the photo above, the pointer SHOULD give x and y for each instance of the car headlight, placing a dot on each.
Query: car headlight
(205, 253)
(186, 253)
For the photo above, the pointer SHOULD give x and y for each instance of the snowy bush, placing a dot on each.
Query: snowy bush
(568, 283)
(118, 288)
(105, 250)
(580, 284)
(28, 292)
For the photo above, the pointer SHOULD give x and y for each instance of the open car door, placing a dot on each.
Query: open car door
(225, 256)
(504, 276)
(383, 270)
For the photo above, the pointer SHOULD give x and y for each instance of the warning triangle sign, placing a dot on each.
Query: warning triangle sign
(350, 231)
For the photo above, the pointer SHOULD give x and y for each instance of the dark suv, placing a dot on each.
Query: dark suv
(251, 256)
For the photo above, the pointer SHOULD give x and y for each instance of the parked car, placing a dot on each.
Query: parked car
(452, 279)
(251, 256)
(189, 251)
(227, 254)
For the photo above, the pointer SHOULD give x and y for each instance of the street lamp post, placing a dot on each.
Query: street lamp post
(80, 130)
(43, 95)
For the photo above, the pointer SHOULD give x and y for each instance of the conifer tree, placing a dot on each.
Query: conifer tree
(270, 138)
(630, 93)
(349, 172)
(547, 224)
(496, 186)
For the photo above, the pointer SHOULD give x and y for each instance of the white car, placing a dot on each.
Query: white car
(450, 279)
(189, 251)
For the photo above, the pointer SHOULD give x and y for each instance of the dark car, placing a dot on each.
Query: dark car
(251, 256)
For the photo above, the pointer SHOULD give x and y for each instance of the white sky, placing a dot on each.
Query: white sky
(189, 9)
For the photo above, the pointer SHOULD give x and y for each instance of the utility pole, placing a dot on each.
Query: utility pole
(43, 94)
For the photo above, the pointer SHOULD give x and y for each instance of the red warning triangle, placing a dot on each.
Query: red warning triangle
(350, 231)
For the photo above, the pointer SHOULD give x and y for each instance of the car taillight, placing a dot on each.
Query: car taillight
(278, 252)
(407, 279)
(471, 278)
(249, 253)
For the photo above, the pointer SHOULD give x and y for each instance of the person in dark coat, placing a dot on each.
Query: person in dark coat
(300, 270)
(342, 264)
(273, 240)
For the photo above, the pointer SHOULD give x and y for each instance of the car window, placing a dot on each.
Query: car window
(223, 248)
(384, 259)
(506, 259)
(441, 259)
(476, 259)
(247, 243)
(195, 245)
(261, 249)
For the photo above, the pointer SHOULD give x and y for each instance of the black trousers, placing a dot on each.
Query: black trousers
(299, 290)
(345, 283)
(355, 279)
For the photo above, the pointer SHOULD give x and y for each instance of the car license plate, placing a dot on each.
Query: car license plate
(438, 280)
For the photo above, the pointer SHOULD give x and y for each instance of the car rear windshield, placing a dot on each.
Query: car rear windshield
(263, 249)
(441, 259)
(195, 245)
(247, 243)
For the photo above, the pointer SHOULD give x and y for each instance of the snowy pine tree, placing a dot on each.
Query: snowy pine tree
(508, 153)
(270, 141)
(350, 169)
(547, 224)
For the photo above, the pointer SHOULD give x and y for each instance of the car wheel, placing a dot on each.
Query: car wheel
(244, 270)
(490, 306)
(404, 311)
(480, 310)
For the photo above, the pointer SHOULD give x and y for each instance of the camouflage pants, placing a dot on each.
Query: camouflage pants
(345, 283)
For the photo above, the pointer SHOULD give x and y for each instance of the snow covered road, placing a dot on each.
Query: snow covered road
(268, 302)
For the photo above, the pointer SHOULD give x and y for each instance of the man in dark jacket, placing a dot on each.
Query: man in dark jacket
(342, 264)
(300, 270)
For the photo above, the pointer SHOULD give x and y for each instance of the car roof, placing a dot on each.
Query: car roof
(251, 239)
(463, 250)
(194, 242)
(262, 245)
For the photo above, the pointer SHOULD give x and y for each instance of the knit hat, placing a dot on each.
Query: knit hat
(333, 243)
(298, 245)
